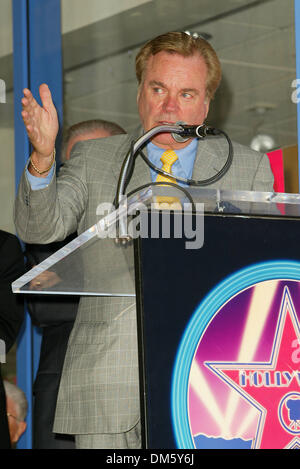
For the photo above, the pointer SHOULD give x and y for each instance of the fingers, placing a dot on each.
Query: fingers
(30, 111)
(45, 280)
(27, 115)
(28, 104)
(27, 92)
(31, 107)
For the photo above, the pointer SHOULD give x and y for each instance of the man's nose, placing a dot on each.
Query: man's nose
(170, 103)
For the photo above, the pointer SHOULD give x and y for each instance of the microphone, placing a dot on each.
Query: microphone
(192, 131)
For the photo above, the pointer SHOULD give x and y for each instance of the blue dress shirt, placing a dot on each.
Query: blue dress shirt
(37, 183)
(183, 167)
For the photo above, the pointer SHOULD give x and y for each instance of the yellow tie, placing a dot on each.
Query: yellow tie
(168, 158)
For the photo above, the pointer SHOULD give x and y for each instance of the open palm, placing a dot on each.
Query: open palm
(41, 122)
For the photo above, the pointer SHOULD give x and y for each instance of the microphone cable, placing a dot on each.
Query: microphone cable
(190, 182)
(204, 182)
(166, 183)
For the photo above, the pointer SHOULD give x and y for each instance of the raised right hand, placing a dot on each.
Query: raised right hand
(41, 123)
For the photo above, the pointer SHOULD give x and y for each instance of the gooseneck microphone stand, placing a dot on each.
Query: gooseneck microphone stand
(181, 133)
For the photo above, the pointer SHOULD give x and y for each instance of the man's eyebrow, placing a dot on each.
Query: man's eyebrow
(189, 90)
(157, 83)
(183, 90)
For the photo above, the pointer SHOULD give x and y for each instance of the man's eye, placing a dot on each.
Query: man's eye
(187, 95)
(157, 90)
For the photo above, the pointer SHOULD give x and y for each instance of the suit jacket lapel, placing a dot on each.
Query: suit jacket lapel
(141, 173)
(207, 162)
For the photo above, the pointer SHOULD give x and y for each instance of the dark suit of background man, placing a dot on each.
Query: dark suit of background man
(177, 75)
(56, 315)
(11, 313)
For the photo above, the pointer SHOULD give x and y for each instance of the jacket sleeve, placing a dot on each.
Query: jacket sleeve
(52, 213)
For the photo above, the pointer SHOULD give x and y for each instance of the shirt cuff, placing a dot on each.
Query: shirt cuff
(37, 183)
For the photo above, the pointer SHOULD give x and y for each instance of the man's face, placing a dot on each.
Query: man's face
(16, 427)
(173, 90)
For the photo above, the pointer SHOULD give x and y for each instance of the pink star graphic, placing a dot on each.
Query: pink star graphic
(272, 387)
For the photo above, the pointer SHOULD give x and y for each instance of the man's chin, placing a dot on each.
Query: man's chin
(163, 139)
(167, 141)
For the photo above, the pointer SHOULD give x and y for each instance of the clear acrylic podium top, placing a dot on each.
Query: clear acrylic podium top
(95, 264)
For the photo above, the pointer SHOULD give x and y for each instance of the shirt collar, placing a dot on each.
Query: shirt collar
(186, 155)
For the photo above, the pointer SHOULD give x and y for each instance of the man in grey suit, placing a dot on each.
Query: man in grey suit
(178, 76)
(55, 315)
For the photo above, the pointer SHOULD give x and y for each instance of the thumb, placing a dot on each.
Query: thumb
(46, 97)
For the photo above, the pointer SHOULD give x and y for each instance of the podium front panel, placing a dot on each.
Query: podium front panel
(219, 336)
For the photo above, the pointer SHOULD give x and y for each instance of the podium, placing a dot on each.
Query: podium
(217, 290)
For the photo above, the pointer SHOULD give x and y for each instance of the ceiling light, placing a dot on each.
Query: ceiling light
(261, 108)
(263, 143)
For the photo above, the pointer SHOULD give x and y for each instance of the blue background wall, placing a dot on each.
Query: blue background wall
(37, 59)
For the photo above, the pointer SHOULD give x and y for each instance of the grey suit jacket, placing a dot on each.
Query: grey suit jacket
(99, 391)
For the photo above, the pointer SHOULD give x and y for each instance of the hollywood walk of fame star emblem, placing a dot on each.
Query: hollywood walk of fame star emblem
(272, 387)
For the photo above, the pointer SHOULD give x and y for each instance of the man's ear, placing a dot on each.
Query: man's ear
(206, 104)
(21, 429)
(138, 93)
